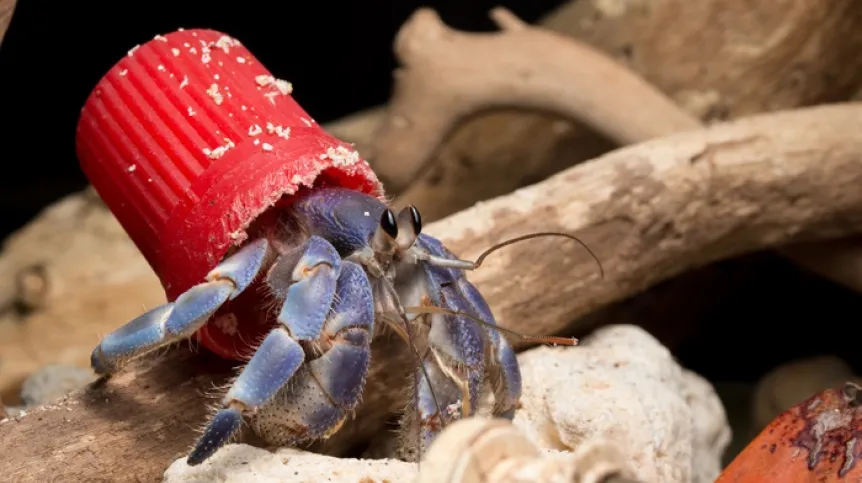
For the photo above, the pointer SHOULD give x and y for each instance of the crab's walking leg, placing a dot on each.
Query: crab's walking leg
(505, 371)
(180, 319)
(437, 400)
(325, 391)
(458, 343)
(454, 364)
(305, 279)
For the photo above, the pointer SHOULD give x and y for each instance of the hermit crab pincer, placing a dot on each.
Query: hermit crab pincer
(274, 245)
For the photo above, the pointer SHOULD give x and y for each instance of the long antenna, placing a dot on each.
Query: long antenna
(471, 265)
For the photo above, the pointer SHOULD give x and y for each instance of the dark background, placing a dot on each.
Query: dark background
(338, 55)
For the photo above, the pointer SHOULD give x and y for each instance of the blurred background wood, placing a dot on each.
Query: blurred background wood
(7, 7)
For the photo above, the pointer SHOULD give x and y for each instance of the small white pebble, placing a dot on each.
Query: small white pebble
(365, 213)
(279, 131)
(225, 43)
(219, 151)
(215, 94)
(341, 156)
(284, 87)
(264, 80)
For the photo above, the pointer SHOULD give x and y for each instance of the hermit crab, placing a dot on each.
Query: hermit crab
(275, 245)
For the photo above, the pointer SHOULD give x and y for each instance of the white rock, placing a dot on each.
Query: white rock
(622, 385)
(53, 382)
(240, 463)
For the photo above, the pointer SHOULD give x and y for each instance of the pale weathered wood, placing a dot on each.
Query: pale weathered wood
(718, 59)
(7, 8)
(447, 75)
(650, 211)
(127, 429)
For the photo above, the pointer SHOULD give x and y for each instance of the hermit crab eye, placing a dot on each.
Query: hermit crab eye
(409, 226)
(388, 224)
(416, 218)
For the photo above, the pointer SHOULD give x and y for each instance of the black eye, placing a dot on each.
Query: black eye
(417, 220)
(388, 224)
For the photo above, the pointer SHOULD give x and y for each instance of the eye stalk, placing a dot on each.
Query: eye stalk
(398, 232)
(389, 224)
(416, 219)
(386, 233)
(409, 227)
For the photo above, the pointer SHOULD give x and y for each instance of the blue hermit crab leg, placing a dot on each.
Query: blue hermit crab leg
(457, 342)
(505, 371)
(180, 319)
(434, 393)
(324, 392)
(305, 278)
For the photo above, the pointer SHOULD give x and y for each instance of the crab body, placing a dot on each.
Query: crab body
(325, 272)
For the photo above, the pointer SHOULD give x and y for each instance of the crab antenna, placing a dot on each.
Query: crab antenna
(470, 265)
(542, 339)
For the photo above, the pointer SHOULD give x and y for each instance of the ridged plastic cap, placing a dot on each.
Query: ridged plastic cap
(188, 139)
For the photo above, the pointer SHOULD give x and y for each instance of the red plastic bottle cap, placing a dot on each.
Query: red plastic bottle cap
(189, 139)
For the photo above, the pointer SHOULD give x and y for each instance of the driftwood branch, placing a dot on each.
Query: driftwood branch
(654, 210)
(128, 429)
(447, 75)
(7, 7)
(649, 211)
(769, 58)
